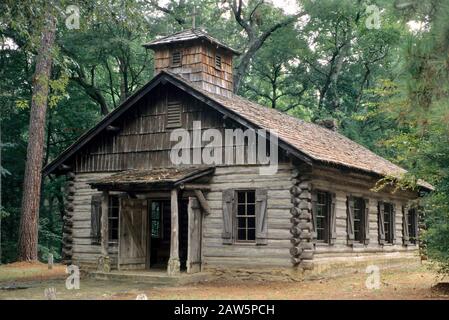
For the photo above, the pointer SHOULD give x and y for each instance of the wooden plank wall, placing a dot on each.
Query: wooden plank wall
(276, 252)
(331, 180)
(144, 141)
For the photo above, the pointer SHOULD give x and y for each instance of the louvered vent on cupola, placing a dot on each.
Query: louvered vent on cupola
(174, 114)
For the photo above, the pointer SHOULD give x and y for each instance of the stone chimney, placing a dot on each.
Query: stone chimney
(197, 57)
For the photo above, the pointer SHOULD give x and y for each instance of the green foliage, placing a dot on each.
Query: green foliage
(387, 88)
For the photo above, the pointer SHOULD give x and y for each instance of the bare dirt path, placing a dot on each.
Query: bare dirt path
(404, 283)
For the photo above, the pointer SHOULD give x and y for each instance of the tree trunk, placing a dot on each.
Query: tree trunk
(28, 235)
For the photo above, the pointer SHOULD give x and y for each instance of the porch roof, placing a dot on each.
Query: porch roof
(159, 178)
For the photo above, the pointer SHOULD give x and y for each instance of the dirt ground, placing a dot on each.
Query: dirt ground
(27, 282)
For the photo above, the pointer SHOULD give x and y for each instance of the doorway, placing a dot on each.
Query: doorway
(160, 233)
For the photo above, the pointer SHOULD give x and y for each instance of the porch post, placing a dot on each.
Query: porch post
(104, 263)
(173, 262)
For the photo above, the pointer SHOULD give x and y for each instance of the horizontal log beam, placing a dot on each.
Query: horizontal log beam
(193, 186)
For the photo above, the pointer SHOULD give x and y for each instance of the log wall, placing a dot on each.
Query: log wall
(344, 185)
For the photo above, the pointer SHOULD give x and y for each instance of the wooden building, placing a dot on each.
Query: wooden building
(130, 207)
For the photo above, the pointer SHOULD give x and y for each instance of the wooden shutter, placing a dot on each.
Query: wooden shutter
(350, 220)
(405, 234)
(314, 211)
(366, 222)
(332, 219)
(228, 206)
(393, 223)
(95, 219)
(381, 222)
(261, 217)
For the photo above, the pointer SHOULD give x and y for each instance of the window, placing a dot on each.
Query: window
(176, 59)
(113, 216)
(174, 114)
(246, 216)
(156, 219)
(218, 61)
(412, 221)
(322, 216)
(359, 219)
(388, 222)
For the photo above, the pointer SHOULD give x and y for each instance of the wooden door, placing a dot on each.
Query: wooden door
(194, 236)
(133, 244)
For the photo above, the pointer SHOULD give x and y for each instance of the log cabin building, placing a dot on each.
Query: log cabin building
(130, 207)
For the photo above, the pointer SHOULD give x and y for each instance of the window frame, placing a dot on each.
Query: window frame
(236, 216)
(111, 209)
(390, 222)
(328, 206)
(412, 225)
(361, 220)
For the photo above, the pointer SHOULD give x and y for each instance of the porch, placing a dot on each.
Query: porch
(158, 221)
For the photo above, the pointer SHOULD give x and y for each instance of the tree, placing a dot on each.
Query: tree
(256, 31)
(28, 235)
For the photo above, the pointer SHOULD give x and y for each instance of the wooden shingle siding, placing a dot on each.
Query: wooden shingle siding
(199, 65)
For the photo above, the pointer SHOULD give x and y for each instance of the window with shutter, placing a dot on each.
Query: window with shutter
(174, 114)
(176, 59)
(95, 222)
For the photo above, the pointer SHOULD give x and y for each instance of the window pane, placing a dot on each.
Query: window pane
(241, 197)
(251, 222)
(241, 234)
(251, 234)
(250, 210)
(241, 210)
(241, 222)
(251, 197)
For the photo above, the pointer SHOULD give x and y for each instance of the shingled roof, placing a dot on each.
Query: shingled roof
(187, 35)
(317, 142)
(311, 142)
